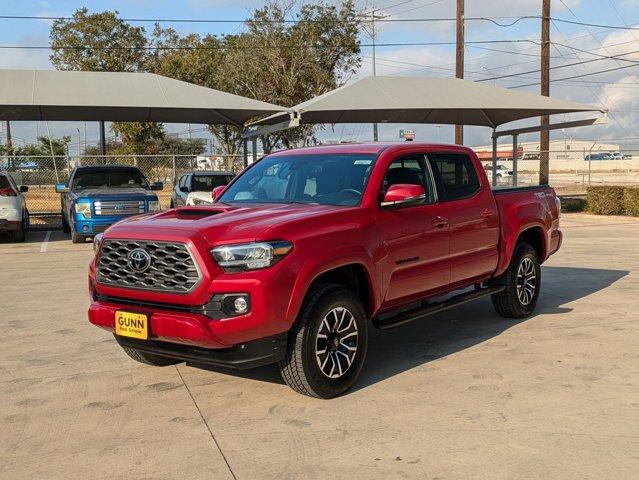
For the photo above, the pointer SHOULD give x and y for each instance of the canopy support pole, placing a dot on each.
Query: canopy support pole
(494, 166)
(254, 149)
(515, 146)
(245, 152)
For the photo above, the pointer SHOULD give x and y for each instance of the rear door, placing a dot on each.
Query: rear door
(415, 237)
(472, 213)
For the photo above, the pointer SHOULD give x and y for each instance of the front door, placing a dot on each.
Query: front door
(416, 237)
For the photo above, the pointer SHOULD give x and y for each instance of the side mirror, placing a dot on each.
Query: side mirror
(217, 192)
(157, 186)
(61, 188)
(403, 194)
(184, 189)
(24, 188)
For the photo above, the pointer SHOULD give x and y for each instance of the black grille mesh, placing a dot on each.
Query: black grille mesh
(172, 267)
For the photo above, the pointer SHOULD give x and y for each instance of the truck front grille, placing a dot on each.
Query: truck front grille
(169, 266)
(132, 207)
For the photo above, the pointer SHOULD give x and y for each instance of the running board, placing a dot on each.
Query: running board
(427, 308)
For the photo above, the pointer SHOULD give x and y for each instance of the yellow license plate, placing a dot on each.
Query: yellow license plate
(129, 324)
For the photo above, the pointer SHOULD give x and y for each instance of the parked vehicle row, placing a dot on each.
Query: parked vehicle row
(96, 197)
(607, 156)
(14, 215)
(308, 248)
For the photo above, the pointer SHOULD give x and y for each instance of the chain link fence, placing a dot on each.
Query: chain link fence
(570, 173)
(41, 174)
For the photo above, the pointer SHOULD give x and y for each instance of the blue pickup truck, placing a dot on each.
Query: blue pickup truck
(98, 196)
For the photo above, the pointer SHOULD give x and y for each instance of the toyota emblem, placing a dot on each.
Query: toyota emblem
(139, 260)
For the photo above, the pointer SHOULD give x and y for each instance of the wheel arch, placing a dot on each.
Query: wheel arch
(354, 275)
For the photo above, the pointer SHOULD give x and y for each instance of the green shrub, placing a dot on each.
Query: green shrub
(606, 200)
(573, 204)
(631, 201)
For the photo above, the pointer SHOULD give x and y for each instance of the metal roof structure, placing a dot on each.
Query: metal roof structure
(119, 96)
(436, 100)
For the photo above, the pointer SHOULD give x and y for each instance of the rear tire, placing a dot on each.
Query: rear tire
(149, 358)
(21, 233)
(327, 344)
(522, 282)
(65, 226)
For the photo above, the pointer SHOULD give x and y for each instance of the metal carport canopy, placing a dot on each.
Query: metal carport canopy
(119, 96)
(435, 100)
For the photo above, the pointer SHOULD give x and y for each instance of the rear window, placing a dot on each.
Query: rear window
(206, 183)
(4, 182)
(457, 174)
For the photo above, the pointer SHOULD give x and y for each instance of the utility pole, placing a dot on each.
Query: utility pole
(102, 142)
(375, 133)
(459, 61)
(9, 140)
(544, 135)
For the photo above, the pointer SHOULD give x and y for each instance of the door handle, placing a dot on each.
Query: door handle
(487, 213)
(439, 222)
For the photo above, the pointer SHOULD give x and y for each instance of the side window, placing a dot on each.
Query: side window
(410, 170)
(457, 174)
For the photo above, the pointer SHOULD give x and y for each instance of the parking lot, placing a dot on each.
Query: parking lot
(464, 394)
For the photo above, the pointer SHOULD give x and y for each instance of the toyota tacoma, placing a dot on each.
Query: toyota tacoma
(307, 249)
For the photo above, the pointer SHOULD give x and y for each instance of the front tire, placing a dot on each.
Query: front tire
(77, 238)
(522, 282)
(149, 358)
(328, 343)
(66, 228)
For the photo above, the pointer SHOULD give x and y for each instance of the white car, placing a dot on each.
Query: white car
(196, 188)
(14, 216)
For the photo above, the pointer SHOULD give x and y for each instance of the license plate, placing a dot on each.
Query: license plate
(133, 325)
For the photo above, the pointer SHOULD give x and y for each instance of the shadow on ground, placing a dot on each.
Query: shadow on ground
(392, 352)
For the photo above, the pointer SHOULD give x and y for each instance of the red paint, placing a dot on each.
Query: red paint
(401, 191)
(407, 253)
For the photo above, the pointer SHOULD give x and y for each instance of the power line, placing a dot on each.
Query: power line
(580, 76)
(602, 57)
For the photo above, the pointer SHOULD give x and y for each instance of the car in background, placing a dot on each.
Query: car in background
(592, 157)
(502, 170)
(195, 188)
(97, 197)
(626, 156)
(14, 216)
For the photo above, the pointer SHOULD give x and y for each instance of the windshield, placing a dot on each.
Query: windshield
(109, 179)
(325, 179)
(206, 183)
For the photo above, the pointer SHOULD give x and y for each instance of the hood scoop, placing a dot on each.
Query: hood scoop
(196, 213)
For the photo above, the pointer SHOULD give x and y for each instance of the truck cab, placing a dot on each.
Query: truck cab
(98, 196)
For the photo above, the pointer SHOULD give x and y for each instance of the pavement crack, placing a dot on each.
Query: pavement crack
(208, 427)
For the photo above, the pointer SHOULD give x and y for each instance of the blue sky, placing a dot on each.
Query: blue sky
(617, 90)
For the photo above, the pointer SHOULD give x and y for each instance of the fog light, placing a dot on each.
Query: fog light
(241, 305)
(85, 228)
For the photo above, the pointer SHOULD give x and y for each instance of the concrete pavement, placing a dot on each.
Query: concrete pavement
(464, 394)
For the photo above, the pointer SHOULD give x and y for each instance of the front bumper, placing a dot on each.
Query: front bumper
(92, 226)
(10, 215)
(256, 353)
(9, 226)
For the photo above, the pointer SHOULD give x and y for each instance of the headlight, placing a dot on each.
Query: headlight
(250, 256)
(154, 206)
(199, 201)
(83, 208)
(97, 240)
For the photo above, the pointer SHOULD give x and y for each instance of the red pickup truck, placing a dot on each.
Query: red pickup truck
(308, 248)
